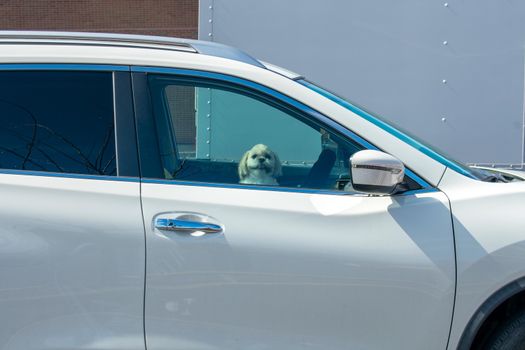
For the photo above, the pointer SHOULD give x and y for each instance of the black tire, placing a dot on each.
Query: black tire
(510, 335)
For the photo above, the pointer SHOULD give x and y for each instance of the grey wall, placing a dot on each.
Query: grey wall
(451, 72)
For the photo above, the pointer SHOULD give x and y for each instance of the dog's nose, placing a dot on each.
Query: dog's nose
(261, 159)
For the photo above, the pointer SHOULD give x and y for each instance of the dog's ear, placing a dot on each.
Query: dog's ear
(243, 166)
(277, 168)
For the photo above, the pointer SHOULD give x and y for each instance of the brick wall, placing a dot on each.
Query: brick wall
(177, 18)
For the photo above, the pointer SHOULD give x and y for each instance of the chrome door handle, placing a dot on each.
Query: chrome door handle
(186, 226)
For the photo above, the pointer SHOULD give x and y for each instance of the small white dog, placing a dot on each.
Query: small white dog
(259, 166)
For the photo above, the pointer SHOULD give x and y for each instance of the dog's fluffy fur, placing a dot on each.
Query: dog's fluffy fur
(259, 166)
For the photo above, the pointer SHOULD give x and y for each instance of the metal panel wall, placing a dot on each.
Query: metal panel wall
(218, 109)
(452, 72)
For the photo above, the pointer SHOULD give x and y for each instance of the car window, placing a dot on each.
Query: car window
(57, 121)
(217, 133)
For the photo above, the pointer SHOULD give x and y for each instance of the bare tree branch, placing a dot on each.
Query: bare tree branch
(100, 156)
(87, 162)
(33, 138)
(107, 165)
(21, 156)
(41, 150)
(33, 144)
(60, 169)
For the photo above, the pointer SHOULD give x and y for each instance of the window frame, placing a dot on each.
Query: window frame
(150, 159)
(126, 150)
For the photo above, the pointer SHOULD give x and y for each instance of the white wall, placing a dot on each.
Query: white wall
(392, 58)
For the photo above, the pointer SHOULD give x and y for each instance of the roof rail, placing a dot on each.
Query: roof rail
(129, 40)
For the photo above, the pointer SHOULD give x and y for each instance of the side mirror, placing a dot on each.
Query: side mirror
(375, 172)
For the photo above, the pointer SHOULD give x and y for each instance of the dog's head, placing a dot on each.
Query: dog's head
(261, 158)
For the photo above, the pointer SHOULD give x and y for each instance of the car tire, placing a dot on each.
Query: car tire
(510, 335)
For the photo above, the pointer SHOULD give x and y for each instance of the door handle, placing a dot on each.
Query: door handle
(185, 226)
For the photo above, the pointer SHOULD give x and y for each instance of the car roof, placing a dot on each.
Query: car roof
(128, 40)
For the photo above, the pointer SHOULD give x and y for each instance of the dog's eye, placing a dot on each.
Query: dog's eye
(267, 156)
(254, 156)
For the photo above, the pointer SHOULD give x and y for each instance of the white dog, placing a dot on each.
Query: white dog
(259, 166)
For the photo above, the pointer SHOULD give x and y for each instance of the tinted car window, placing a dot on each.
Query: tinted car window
(218, 133)
(57, 121)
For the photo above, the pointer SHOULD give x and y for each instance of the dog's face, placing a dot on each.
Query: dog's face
(259, 161)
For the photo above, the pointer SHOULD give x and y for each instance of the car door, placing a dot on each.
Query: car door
(71, 232)
(299, 263)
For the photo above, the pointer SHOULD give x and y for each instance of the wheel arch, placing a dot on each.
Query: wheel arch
(490, 311)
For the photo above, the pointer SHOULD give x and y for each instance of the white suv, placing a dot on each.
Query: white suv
(172, 194)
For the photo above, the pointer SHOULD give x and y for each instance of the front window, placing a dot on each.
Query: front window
(218, 133)
(215, 132)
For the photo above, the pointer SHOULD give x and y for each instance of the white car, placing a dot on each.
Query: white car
(128, 220)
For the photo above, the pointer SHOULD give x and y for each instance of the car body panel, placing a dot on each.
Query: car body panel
(490, 241)
(389, 284)
(70, 281)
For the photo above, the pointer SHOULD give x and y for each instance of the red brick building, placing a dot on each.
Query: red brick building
(158, 17)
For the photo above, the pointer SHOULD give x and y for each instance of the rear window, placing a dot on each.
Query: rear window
(57, 121)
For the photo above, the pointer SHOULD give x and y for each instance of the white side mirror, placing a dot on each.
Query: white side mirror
(375, 172)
